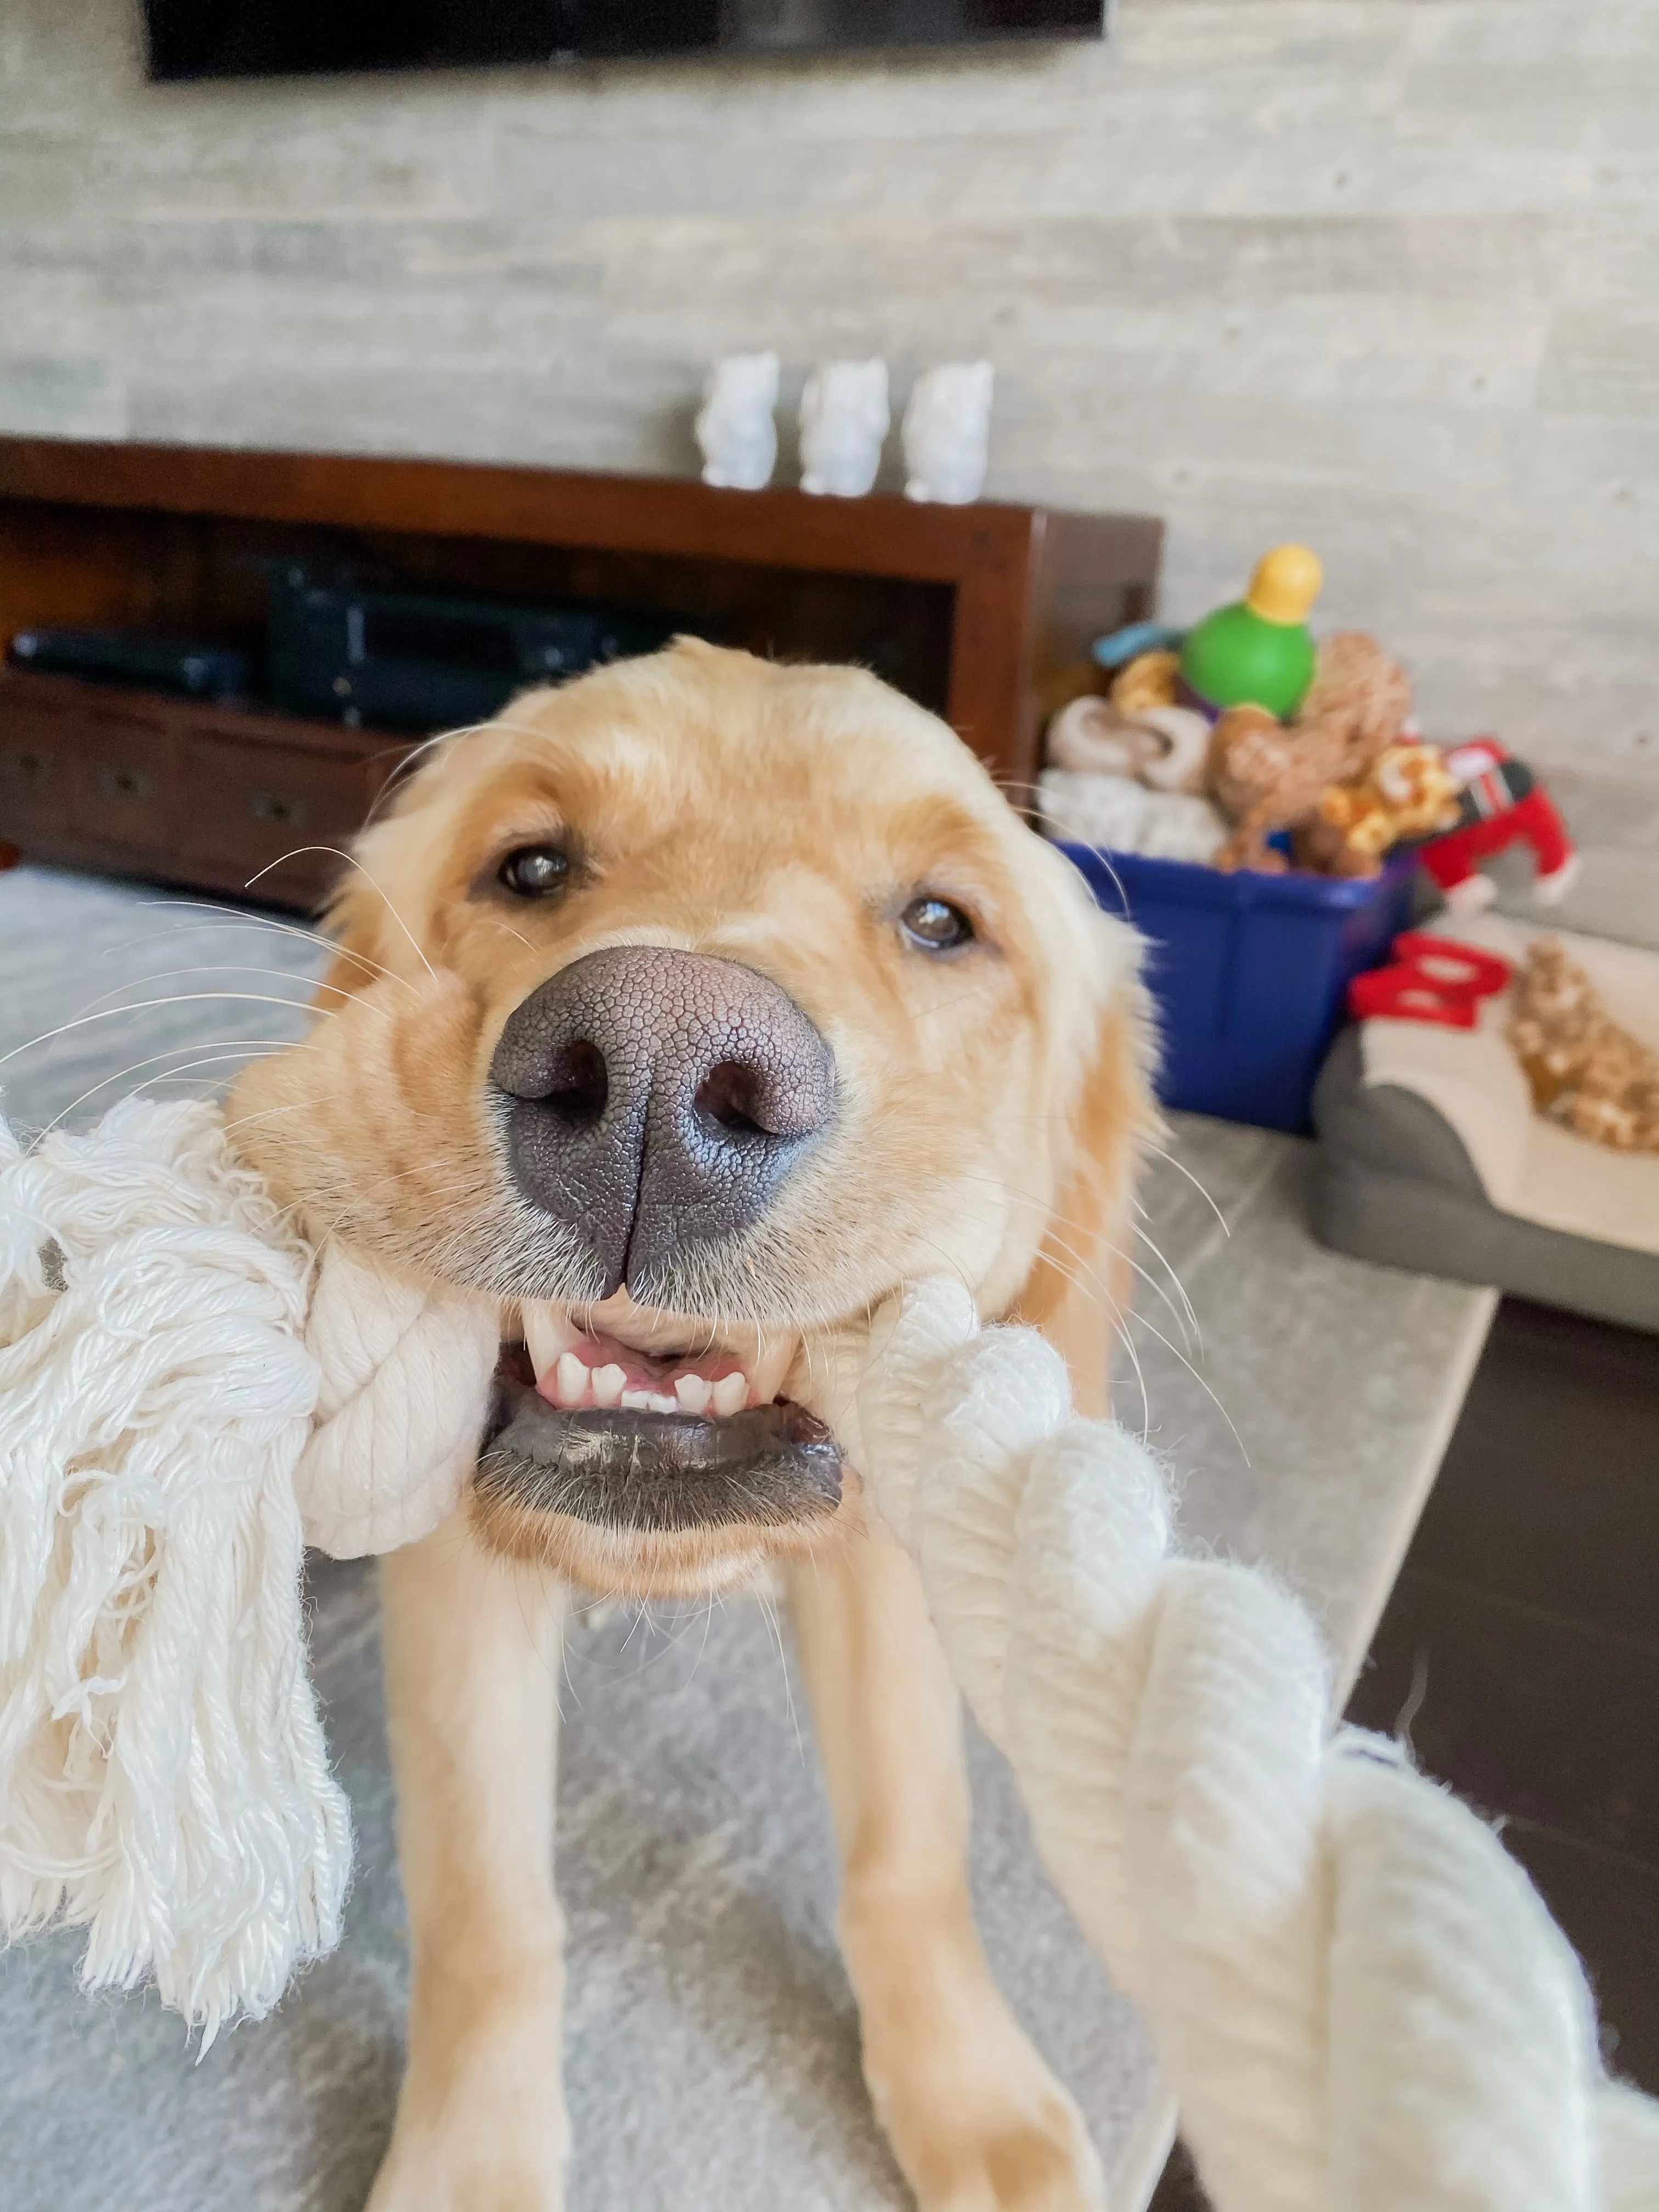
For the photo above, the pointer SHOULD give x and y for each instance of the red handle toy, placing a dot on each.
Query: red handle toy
(1429, 979)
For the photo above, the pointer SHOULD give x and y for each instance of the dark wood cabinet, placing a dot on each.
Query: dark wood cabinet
(126, 773)
(228, 799)
(983, 613)
(282, 811)
(37, 763)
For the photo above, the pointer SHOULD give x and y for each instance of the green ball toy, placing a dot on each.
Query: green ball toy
(1258, 652)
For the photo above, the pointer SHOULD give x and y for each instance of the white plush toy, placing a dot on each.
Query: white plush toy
(1165, 748)
(1124, 816)
(736, 428)
(1358, 1999)
(947, 433)
(844, 419)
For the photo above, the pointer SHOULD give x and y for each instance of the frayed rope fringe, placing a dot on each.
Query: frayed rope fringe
(187, 1395)
(163, 1778)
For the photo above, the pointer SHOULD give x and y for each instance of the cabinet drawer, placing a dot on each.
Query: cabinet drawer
(251, 805)
(37, 772)
(126, 782)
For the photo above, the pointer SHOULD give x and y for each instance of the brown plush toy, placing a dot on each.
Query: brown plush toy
(1408, 792)
(1266, 774)
(1582, 1068)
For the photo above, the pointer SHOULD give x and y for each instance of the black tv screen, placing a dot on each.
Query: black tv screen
(283, 38)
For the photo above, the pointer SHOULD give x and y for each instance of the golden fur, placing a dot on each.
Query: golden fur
(989, 1104)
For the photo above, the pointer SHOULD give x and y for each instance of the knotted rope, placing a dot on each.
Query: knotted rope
(1360, 2002)
(187, 1395)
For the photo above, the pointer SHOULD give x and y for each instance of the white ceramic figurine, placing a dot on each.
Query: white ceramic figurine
(947, 430)
(735, 429)
(843, 420)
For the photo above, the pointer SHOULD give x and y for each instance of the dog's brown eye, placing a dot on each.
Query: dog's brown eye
(534, 871)
(936, 925)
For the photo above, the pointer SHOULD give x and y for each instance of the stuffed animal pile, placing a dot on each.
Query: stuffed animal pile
(1329, 774)
(1345, 776)
(1244, 743)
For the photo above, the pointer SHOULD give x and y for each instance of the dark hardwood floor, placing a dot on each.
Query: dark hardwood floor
(1520, 1650)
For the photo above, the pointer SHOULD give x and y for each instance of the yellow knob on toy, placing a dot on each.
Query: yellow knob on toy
(1257, 651)
(1286, 583)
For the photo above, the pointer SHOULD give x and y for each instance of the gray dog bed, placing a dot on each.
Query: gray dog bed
(1432, 1158)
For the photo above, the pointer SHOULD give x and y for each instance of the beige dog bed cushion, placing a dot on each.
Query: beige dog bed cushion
(1433, 1158)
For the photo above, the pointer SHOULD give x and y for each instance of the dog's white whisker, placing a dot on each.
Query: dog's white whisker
(1192, 1313)
(440, 1199)
(1175, 1352)
(1133, 1357)
(415, 755)
(152, 977)
(1093, 1284)
(145, 1007)
(495, 922)
(237, 1048)
(1159, 1152)
(353, 862)
(229, 917)
(273, 1113)
(771, 1614)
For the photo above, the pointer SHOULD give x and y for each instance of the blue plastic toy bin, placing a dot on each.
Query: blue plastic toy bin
(1250, 971)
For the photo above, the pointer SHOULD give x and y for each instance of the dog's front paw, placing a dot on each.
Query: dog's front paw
(986, 2128)
(484, 2128)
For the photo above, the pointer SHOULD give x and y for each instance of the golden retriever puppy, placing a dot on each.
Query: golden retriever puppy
(684, 1013)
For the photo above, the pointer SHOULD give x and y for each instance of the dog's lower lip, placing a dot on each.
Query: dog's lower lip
(638, 1470)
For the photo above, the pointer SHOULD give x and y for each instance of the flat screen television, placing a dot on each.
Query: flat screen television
(282, 38)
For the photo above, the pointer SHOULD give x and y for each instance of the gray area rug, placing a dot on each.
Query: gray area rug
(711, 2052)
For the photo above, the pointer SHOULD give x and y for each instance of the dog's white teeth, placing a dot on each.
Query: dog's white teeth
(660, 1402)
(636, 1401)
(570, 1380)
(546, 1335)
(770, 1371)
(693, 1393)
(730, 1393)
(608, 1386)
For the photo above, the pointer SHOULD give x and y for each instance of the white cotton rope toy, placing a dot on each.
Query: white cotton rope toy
(184, 1389)
(1360, 2002)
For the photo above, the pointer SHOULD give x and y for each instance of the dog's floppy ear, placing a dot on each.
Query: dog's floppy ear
(391, 857)
(353, 918)
(1077, 1292)
(376, 912)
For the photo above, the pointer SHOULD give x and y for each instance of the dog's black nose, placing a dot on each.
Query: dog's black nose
(657, 1100)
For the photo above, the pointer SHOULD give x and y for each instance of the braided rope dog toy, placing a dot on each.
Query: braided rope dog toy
(1359, 2000)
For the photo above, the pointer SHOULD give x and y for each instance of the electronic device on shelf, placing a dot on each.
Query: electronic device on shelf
(406, 660)
(252, 38)
(185, 666)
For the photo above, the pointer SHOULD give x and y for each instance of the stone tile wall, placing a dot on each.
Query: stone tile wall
(1377, 273)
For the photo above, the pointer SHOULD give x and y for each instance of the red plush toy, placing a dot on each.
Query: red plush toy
(1500, 800)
